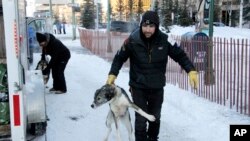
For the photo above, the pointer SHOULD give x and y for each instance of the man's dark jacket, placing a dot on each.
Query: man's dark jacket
(56, 49)
(148, 59)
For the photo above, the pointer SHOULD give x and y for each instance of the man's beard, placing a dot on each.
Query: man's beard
(147, 34)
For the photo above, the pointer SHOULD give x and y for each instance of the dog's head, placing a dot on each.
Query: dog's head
(41, 65)
(103, 95)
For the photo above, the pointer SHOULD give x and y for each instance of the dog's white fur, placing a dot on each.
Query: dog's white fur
(119, 103)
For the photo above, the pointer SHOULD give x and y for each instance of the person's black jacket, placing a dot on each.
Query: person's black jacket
(148, 59)
(56, 49)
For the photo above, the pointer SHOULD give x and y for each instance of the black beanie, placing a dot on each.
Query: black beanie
(40, 37)
(150, 17)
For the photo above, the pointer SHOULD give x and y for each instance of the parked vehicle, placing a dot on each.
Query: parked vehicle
(219, 24)
(123, 26)
(118, 26)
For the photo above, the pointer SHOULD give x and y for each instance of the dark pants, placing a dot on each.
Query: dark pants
(64, 31)
(59, 82)
(149, 100)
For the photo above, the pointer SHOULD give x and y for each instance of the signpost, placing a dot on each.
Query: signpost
(209, 74)
(109, 49)
(73, 5)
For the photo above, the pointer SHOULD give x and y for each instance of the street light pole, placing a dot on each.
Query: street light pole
(96, 2)
(108, 16)
(51, 14)
(109, 49)
(209, 75)
(211, 18)
(152, 5)
(73, 21)
(241, 13)
(50, 9)
(97, 23)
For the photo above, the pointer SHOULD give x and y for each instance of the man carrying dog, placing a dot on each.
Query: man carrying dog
(148, 50)
(60, 55)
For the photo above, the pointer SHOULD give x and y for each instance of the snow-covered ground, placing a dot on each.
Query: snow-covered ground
(185, 117)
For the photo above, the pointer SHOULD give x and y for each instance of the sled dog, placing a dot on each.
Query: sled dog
(41, 65)
(119, 103)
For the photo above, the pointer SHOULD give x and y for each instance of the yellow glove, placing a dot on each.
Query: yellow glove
(111, 79)
(193, 79)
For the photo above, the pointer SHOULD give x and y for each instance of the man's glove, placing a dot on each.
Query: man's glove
(193, 79)
(46, 71)
(111, 79)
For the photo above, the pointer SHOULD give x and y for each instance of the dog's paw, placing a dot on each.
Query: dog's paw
(151, 118)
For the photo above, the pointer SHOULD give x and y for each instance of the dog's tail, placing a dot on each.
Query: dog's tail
(143, 113)
(140, 111)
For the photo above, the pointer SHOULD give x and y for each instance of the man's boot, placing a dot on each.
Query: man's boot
(152, 139)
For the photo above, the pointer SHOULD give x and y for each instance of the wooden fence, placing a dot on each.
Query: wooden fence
(229, 58)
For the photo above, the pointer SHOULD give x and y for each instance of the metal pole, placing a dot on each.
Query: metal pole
(109, 49)
(97, 14)
(209, 75)
(51, 15)
(73, 21)
(241, 13)
(211, 18)
(97, 24)
(227, 9)
(152, 5)
(108, 16)
(50, 9)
